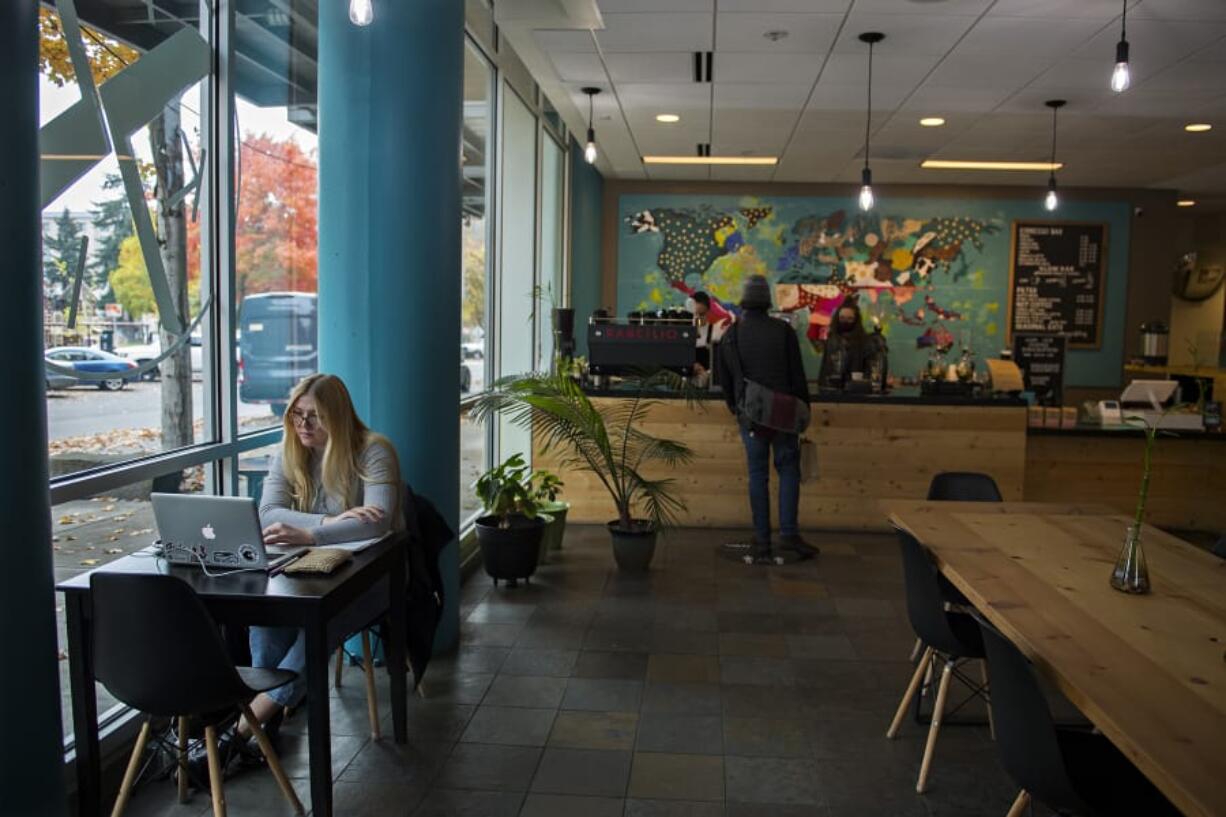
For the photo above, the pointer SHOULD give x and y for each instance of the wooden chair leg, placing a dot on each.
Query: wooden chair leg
(219, 797)
(935, 727)
(182, 775)
(983, 670)
(915, 651)
(1019, 805)
(340, 664)
(372, 697)
(909, 695)
(129, 776)
(274, 761)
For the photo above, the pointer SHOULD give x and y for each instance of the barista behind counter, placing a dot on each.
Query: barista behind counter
(853, 356)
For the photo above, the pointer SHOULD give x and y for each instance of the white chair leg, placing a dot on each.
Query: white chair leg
(274, 762)
(340, 665)
(1019, 805)
(909, 695)
(219, 797)
(372, 697)
(915, 651)
(934, 728)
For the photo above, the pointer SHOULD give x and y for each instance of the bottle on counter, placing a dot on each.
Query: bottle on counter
(966, 366)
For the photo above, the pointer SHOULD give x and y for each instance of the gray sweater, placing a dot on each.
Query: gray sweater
(382, 490)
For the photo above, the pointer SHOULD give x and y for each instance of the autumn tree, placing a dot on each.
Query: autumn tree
(277, 234)
(472, 296)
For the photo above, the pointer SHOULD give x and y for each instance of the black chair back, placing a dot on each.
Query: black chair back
(963, 486)
(157, 649)
(926, 604)
(1025, 732)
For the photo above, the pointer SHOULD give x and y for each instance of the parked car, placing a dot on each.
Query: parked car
(55, 380)
(473, 349)
(94, 361)
(143, 353)
(466, 378)
(277, 346)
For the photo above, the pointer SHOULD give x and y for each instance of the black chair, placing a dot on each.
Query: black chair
(963, 486)
(949, 637)
(157, 649)
(1073, 771)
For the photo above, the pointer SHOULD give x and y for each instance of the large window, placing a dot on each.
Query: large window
(553, 208)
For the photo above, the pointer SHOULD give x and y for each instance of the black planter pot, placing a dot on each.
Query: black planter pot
(633, 548)
(510, 553)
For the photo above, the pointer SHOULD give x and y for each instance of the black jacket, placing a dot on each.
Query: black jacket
(769, 354)
(429, 534)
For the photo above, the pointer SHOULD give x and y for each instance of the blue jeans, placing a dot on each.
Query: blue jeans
(787, 463)
(281, 648)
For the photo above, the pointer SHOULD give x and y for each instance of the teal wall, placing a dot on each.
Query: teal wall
(924, 267)
(586, 194)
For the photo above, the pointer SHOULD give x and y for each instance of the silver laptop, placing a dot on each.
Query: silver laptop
(212, 531)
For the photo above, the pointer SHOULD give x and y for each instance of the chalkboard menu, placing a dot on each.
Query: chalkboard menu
(1041, 359)
(1056, 280)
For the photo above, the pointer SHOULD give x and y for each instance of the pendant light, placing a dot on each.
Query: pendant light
(361, 12)
(589, 150)
(866, 175)
(1121, 77)
(1052, 201)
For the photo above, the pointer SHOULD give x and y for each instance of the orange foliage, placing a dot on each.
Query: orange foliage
(277, 234)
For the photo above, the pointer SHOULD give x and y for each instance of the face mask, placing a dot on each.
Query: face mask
(846, 326)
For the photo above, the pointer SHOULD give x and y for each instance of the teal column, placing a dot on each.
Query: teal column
(586, 203)
(31, 743)
(390, 107)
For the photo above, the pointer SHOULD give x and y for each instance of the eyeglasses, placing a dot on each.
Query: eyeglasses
(304, 419)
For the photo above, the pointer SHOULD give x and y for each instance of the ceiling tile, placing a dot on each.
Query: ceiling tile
(1191, 79)
(653, 98)
(1036, 38)
(937, 8)
(655, 32)
(888, 69)
(938, 100)
(1162, 40)
(573, 67)
(753, 97)
(623, 6)
(764, 68)
(830, 97)
(786, 6)
(572, 42)
(905, 34)
(978, 70)
(661, 66)
(1102, 10)
(732, 173)
(1181, 10)
(806, 33)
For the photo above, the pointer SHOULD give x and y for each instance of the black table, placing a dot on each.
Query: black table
(328, 608)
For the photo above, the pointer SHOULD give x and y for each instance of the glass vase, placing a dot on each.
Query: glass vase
(1131, 575)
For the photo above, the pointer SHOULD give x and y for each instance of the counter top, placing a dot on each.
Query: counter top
(1117, 432)
(898, 397)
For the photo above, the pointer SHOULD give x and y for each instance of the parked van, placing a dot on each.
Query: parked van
(278, 345)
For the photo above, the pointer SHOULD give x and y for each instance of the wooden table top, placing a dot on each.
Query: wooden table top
(1148, 671)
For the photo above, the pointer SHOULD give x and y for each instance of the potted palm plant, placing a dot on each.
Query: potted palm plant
(607, 442)
(510, 533)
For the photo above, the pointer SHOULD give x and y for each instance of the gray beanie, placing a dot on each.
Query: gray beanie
(756, 293)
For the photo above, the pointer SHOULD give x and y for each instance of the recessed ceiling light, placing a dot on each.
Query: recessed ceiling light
(710, 160)
(932, 121)
(667, 117)
(1198, 127)
(1186, 203)
(953, 164)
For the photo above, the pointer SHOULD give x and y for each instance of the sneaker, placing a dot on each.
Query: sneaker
(799, 546)
(759, 554)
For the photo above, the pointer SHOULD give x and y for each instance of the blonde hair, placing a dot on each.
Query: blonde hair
(348, 438)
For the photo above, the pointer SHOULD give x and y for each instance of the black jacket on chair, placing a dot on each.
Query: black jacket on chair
(429, 534)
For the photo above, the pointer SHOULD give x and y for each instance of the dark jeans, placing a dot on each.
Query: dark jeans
(787, 463)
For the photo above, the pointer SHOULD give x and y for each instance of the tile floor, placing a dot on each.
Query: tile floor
(705, 688)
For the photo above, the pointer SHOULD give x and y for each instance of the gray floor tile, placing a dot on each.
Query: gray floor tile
(569, 805)
(772, 780)
(594, 730)
(509, 725)
(761, 737)
(768, 646)
(682, 699)
(534, 691)
(468, 688)
(494, 612)
(482, 766)
(592, 772)
(680, 734)
(780, 810)
(528, 661)
(411, 764)
(761, 701)
(826, 647)
(673, 668)
(631, 666)
(456, 803)
(752, 669)
(375, 797)
(603, 695)
(684, 642)
(660, 776)
(672, 808)
(471, 658)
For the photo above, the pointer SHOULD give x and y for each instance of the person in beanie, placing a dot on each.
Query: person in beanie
(769, 354)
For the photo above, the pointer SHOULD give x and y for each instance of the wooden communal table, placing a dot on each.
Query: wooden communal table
(1149, 671)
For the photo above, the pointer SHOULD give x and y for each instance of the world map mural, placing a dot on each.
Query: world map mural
(929, 272)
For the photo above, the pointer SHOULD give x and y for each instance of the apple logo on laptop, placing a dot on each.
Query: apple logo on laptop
(208, 533)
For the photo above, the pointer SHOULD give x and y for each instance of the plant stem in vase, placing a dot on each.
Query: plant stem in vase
(1131, 574)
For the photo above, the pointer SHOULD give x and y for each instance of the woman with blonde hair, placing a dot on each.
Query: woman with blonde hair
(334, 480)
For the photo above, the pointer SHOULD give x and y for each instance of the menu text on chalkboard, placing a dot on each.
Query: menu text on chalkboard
(1041, 359)
(1056, 280)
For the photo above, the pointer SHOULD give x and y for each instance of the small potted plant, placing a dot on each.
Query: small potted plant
(510, 533)
(545, 488)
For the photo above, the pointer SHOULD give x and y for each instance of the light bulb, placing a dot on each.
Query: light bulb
(1120, 78)
(866, 197)
(589, 153)
(1052, 201)
(361, 12)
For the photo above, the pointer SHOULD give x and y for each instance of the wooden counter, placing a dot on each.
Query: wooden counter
(868, 450)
